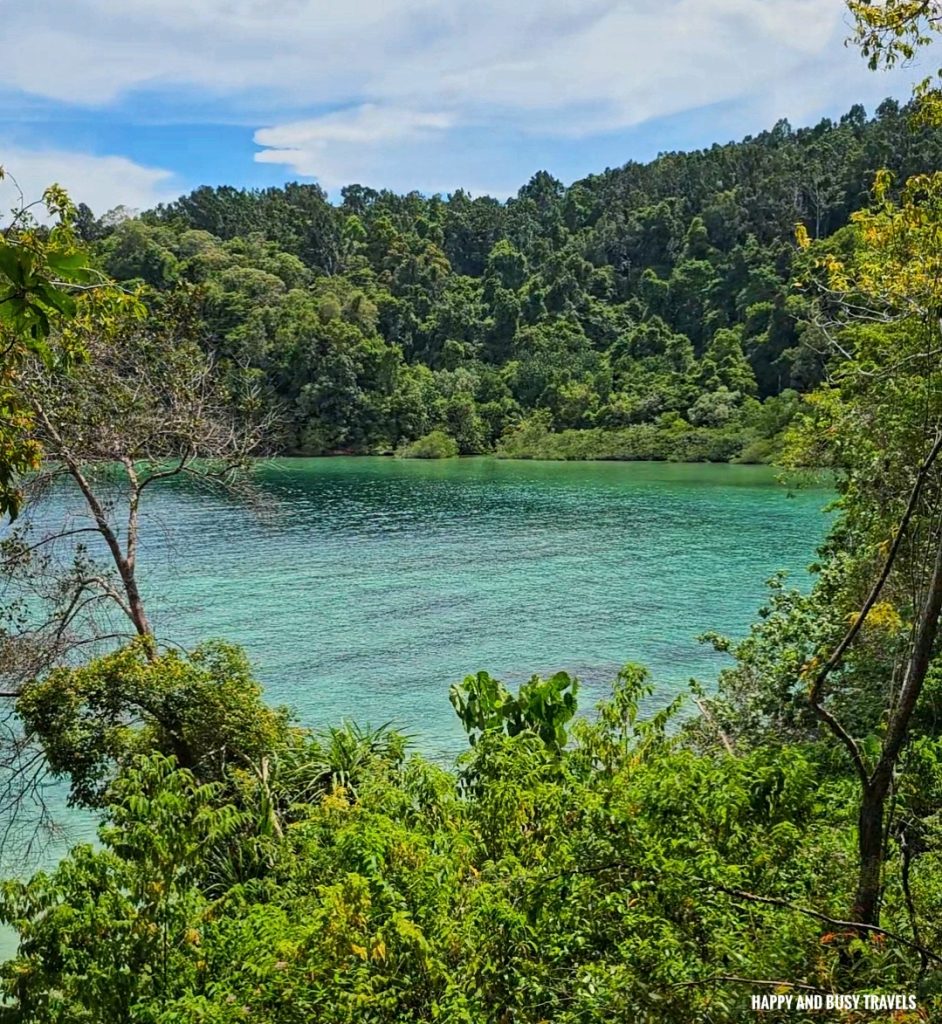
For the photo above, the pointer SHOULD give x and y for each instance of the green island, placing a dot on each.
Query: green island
(762, 845)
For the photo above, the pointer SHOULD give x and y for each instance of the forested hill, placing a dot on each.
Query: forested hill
(645, 311)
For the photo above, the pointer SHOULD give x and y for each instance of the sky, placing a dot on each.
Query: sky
(133, 102)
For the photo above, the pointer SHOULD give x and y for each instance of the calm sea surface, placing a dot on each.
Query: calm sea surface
(368, 586)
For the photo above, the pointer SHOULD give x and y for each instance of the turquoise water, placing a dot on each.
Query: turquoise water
(367, 586)
(362, 588)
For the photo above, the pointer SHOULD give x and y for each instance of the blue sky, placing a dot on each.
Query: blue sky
(131, 102)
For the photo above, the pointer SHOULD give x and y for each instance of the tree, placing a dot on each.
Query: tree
(39, 271)
(881, 417)
(203, 709)
(700, 241)
(724, 365)
(137, 895)
(146, 405)
(882, 421)
(892, 31)
(570, 867)
(434, 445)
(146, 399)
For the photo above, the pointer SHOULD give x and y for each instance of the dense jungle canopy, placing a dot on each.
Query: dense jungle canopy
(650, 307)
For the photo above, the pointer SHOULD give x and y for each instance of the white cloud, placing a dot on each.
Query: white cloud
(363, 125)
(402, 78)
(103, 182)
(633, 61)
(332, 148)
(637, 58)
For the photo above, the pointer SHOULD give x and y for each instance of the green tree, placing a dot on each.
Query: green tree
(202, 709)
(38, 273)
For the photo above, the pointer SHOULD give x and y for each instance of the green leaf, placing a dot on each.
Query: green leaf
(12, 263)
(71, 266)
(57, 298)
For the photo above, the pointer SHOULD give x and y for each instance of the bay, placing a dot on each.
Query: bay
(362, 588)
(367, 586)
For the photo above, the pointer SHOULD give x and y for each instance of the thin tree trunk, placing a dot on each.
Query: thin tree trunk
(123, 563)
(870, 823)
(125, 567)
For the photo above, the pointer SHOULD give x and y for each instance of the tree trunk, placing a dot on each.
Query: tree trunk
(135, 603)
(870, 821)
(125, 562)
(871, 853)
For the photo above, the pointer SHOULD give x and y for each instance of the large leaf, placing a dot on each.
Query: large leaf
(13, 263)
(70, 266)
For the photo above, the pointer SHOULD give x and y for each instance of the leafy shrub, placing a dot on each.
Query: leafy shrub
(204, 709)
(643, 442)
(434, 445)
(591, 865)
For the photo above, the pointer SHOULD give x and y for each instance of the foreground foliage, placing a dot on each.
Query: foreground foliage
(581, 876)
(38, 273)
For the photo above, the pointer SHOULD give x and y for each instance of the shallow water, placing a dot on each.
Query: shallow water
(368, 586)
